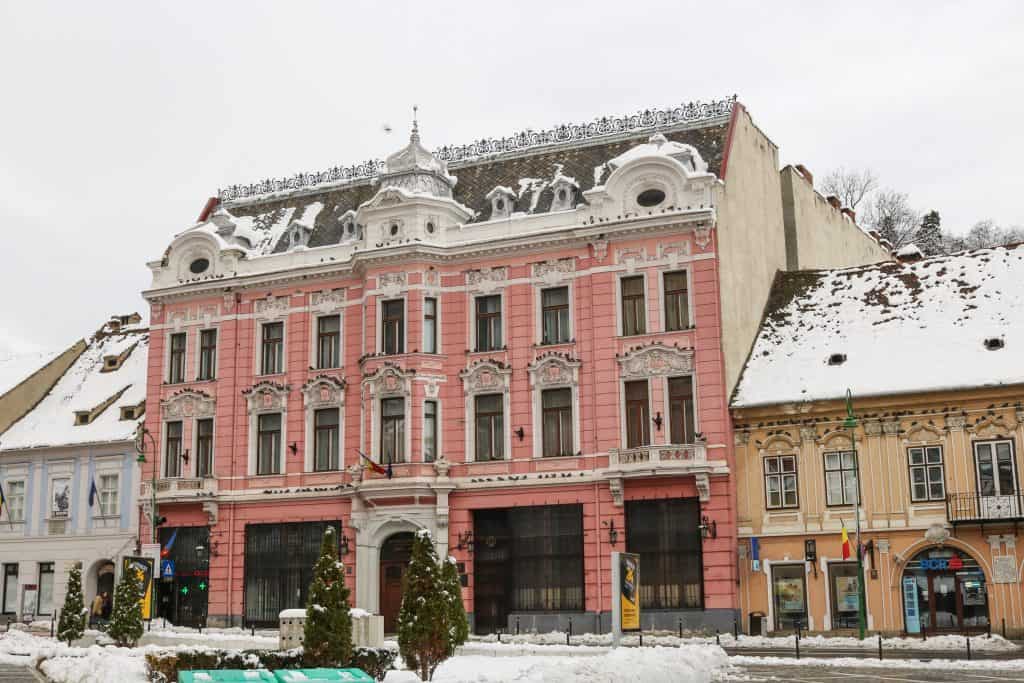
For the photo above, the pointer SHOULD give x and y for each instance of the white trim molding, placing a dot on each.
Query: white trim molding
(481, 378)
(553, 371)
(323, 391)
(388, 381)
(263, 398)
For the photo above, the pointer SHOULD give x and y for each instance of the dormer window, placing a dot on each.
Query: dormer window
(502, 200)
(393, 230)
(133, 412)
(82, 417)
(650, 198)
(431, 228)
(564, 189)
(348, 226)
(111, 363)
(994, 343)
(198, 266)
(837, 359)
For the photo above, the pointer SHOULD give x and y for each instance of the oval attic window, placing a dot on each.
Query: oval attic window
(199, 265)
(650, 198)
(394, 229)
(430, 227)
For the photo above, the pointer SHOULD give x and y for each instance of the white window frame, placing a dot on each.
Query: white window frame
(780, 475)
(101, 475)
(378, 419)
(569, 380)
(667, 412)
(437, 322)
(538, 319)
(311, 404)
(474, 345)
(405, 322)
(167, 356)
(470, 393)
(623, 432)
(506, 437)
(926, 466)
(193, 461)
(438, 421)
(259, 347)
(8, 484)
(255, 409)
(690, 324)
(619, 318)
(182, 473)
(198, 355)
(314, 339)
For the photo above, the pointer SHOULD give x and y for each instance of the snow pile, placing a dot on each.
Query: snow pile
(85, 388)
(694, 664)
(97, 665)
(659, 145)
(16, 368)
(890, 328)
(856, 663)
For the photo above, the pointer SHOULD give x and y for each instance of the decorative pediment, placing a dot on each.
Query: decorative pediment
(270, 307)
(324, 391)
(486, 376)
(554, 370)
(837, 440)
(991, 428)
(267, 397)
(389, 380)
(486, 279)
(328, 300)
(389, 196)
(554, 272)
(923, 433)
(656, 360)
(391, 284)
(779, 443)
(188, 403)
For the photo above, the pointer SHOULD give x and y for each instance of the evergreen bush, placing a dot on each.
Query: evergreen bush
(327, 635)
(126, 619)
(451, 589)
(71, 625)
(424, 636)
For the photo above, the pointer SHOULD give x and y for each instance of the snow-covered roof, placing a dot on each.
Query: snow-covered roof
(15, 368)
(86, 388)
(949, 322)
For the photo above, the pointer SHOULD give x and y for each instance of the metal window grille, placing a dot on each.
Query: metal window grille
(666, 534)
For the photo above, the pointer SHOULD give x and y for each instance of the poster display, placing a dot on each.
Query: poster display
(629, 591)
(789, 592)
(911, 607)
(60, 504)
(143, 566)
(846, 593)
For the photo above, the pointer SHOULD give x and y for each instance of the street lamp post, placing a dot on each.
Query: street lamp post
(140, 447)
(851, 424)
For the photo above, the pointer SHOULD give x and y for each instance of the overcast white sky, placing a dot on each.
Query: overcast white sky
(118, 120)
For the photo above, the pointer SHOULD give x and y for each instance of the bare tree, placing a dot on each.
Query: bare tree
(850, 186)
(890, 214)
(985, 234)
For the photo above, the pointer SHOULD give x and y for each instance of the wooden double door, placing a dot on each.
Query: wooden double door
(394, 562)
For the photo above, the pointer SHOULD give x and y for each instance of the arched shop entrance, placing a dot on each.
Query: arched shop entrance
(944, 590)
(105, 579)
(394, 561)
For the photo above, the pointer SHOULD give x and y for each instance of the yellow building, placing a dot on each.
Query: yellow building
(933, 353)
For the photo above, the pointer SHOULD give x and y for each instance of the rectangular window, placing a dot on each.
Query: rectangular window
(680, 410)
(10, 588)
(488, 323)
(634, 316)
(430, 325)
(172, 452)
(204, 447)
(268, 444)
(780, 482)
(556, 416)
(45, 599)
(638, 414)
(208, 354)
(843, 576)
(392, 430)
(429, 431)
(841, 486)
(326, 439)
(272, 349)
(995, 468)
(15, 492)
(328, 341)
(927, 475)
(490, 432)
(666, 534)
(108, 490)
(393, 326)
(789, 593)
(555, 314)
(677, 303)
(176, 373)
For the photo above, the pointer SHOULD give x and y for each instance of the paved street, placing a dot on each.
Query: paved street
(829, 674)
(16, 674)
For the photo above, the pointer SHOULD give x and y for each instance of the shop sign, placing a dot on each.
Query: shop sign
(939, 564)
(143, 566)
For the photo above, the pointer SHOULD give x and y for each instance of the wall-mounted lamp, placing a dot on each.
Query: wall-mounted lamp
(185, 456)
(708, 527)
(465, 541)
(343, 545)
(613, 533)
(293, 447)
(657, 421)
(520, 433)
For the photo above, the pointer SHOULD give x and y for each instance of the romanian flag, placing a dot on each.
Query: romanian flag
(846, 544)
(371, 465)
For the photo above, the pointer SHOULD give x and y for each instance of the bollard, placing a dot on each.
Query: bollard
(149, 625)
(56, 615)
(797, 648)
(718, 640)
(988, 629)
(517, 626)
(499, 635)
(879, 647)
(641, 638)
(924, 632)
(1004, 628)
(680, 629)
(968, 639)
(253, 627)
(735, 629)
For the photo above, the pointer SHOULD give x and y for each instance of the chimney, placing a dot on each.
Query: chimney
(850, 212)
(834, 201)
(805, 173)
(208, 208)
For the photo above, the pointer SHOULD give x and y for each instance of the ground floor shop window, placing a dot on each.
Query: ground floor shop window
(944, 590)
(279, 561)
(527, 559)
(183, 583)
(666, 534)
(842, 578)
(789, 596)
(45, 588)
(10, 605)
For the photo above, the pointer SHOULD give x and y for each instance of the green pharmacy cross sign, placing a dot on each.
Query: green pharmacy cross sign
(184, 590)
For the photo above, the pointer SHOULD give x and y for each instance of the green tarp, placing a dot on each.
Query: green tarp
(225, 675)
(296, 675)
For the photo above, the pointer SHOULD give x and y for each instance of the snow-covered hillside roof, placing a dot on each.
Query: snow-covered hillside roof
(85, 388)
(948, 322)
(15, 368)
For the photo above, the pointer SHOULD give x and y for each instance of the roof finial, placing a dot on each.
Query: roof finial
(415, 137)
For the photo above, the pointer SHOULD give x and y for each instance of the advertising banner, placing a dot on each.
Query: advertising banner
(143, 566)
(629, 591)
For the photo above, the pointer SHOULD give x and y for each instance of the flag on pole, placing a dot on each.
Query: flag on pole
(846, 543)
(165, 552)
(3, 499)
(93, 493)
(371, 465)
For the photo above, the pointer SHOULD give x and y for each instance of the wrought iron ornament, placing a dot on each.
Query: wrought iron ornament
(648, 119)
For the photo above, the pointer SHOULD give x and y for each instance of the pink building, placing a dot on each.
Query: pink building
(535, 336)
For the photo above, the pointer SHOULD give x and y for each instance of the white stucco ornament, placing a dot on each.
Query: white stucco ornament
(937, 534)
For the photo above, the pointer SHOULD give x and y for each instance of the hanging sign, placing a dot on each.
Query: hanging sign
(143, 566)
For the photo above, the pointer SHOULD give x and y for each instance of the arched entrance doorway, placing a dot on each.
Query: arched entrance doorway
(105, 579)
(394, 560)
(944, 590)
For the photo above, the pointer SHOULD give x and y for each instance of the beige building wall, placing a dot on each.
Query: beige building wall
(899, 527)
(818, 234)
(751, 243)
(19, 400)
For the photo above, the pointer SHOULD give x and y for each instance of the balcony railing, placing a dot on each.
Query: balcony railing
(658, 456)
(975, 508)
(183, 488)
